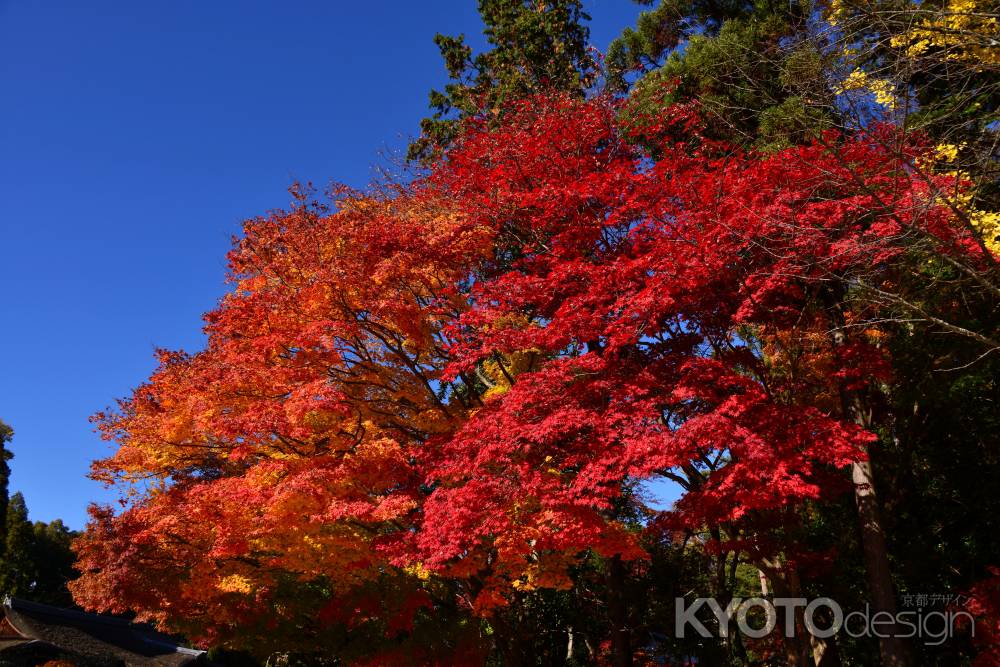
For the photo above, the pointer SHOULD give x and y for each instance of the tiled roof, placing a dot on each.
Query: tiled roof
(86, 639)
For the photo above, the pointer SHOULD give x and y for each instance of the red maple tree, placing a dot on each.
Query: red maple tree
(462, 383)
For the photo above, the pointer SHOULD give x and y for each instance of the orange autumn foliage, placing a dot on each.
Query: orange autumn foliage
(279, 458)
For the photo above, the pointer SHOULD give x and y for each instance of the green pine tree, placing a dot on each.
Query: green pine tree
(36, 560)
(20, 572)
(754, 68)
(6, 435)
(536, 45)
(53, 561)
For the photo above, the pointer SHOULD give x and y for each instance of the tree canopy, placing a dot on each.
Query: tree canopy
(753, 255)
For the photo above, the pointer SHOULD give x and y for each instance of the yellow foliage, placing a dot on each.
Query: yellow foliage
(502, 368)
(836, 11)
(419, 571)
(986, 223)
(962, 29)
(884, 91)
(947, 152)
(235, 583)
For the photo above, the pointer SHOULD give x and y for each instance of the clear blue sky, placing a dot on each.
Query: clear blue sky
(134, 138)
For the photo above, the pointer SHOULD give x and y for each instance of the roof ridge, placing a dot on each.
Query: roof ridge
(27, 605)
(48, 624)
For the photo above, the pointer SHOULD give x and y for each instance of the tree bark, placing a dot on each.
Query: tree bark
(785, 584)
(892, 648)
(883, 595)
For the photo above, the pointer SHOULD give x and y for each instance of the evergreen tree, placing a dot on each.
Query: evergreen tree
(20, 572)
(535, 45)
(6, 435)
(53, 558)
(755, 68)
(36, 560)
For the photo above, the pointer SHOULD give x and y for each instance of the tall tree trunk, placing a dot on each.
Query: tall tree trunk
(804, 648)
(892, 648)
(785, 583)
(825, 652)
(621, 633)
(876, 555)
